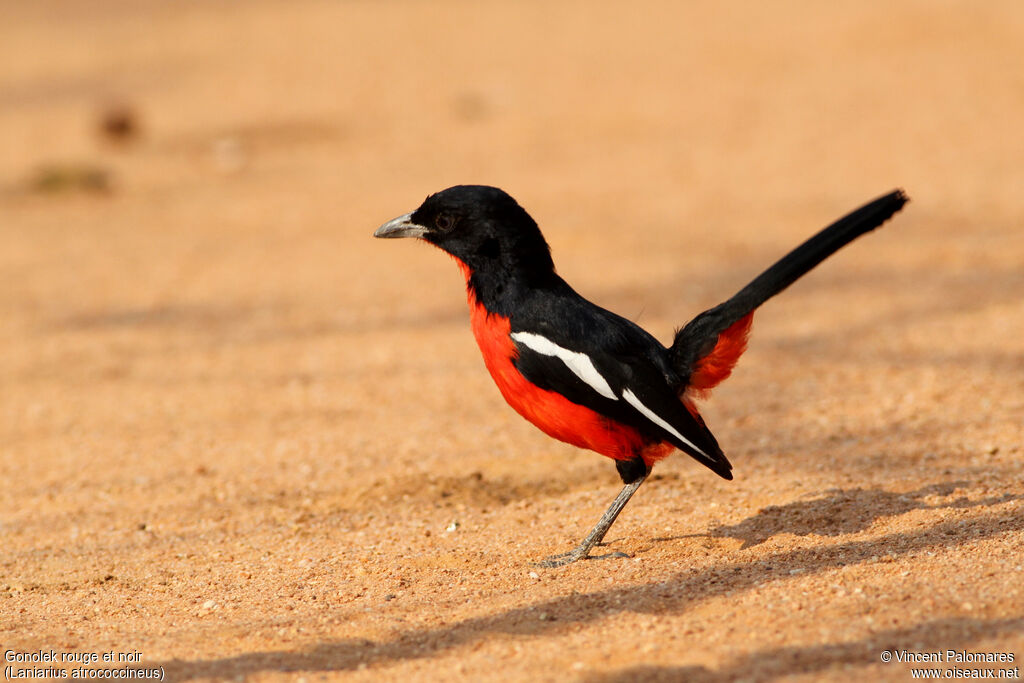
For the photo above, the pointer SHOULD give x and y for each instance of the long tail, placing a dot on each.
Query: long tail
(706, 349)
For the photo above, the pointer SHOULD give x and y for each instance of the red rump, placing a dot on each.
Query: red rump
(714, 368)
(552, 413)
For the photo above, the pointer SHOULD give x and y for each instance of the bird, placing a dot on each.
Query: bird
(585, 375)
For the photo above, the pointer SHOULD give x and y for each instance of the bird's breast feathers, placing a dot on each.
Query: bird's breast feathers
(550, 411)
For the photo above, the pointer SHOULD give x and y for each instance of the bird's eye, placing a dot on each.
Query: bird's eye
(444, 222)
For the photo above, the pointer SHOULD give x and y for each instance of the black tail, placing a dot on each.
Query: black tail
(700, 335)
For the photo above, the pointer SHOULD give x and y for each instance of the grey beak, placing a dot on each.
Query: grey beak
(400, 227)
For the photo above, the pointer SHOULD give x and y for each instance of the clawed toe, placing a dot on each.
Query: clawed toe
(563, 559)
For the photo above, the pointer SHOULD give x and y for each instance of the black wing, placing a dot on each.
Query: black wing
(606, 363)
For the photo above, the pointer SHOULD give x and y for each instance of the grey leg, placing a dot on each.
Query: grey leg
(597, 533)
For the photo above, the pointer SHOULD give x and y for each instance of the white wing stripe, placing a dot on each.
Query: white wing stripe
(632, 400)
(579, 363)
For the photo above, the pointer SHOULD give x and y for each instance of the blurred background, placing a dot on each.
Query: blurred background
(181, 179)
(198, 335)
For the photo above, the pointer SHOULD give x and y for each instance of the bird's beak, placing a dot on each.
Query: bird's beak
(401, 227)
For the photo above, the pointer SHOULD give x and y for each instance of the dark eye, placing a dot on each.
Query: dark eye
(444, 222)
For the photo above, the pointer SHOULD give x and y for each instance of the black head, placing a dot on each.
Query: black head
(481, 226)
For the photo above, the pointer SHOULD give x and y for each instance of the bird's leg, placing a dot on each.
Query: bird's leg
(596, 535)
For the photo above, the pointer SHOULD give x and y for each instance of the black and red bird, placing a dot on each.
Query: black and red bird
(585, 375)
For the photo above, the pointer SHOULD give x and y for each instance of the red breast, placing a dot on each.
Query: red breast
(551, 412)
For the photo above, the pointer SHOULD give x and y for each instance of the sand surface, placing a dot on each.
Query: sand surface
(246, 441)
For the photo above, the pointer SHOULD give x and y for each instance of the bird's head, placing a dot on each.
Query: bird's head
(481, 226)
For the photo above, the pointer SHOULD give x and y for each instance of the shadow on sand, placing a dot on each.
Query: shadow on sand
(685, 589)
(845, 511)
(939, 635)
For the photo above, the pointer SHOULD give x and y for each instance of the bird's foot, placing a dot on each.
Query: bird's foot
(578, 553)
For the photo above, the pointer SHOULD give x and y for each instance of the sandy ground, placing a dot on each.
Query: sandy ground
(245, 441)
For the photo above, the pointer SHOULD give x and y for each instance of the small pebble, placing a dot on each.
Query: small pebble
(118, 123)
